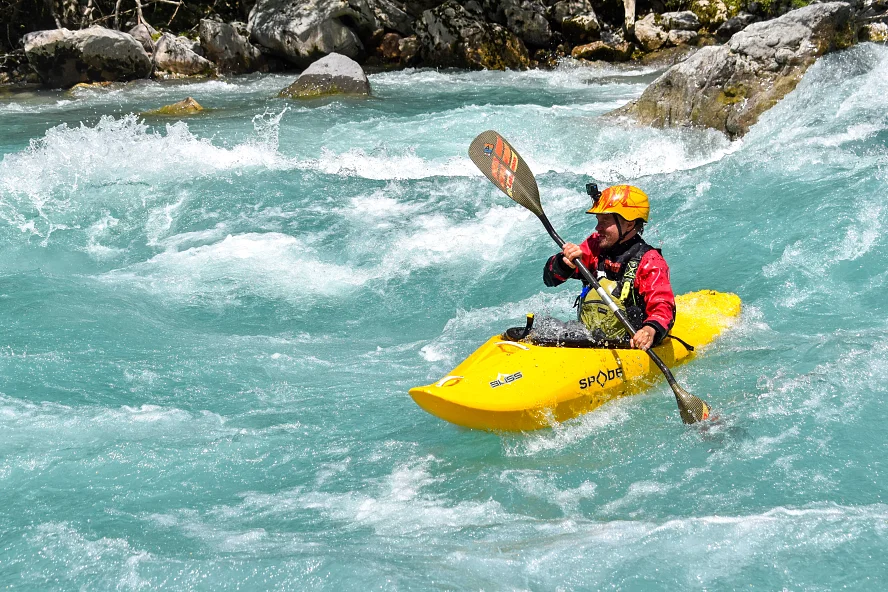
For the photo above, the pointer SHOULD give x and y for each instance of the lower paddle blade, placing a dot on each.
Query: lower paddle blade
(692, 409)
(506, 169)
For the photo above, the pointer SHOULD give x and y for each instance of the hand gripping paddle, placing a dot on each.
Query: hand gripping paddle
(507, 170)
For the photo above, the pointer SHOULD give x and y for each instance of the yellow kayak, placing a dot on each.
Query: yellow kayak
(514, 385)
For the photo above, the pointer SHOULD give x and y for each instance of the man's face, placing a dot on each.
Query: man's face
(607, 229)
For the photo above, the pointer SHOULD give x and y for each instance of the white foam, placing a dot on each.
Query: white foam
(384, 165)
(396, 505)
(541, 485)
(564, 435)
(271, 265)
(72, 556)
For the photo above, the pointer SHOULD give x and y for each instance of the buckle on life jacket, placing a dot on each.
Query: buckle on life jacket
(582, 296)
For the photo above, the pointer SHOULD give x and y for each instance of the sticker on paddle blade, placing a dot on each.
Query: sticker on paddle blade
(505, 168)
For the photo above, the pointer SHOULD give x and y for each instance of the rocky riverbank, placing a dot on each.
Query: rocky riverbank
(743, 60)
(291, 34)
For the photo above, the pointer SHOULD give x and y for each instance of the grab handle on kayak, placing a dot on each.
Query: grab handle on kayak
(447, 379)
(512, 343)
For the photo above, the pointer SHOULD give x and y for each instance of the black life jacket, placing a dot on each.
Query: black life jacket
(616, 274)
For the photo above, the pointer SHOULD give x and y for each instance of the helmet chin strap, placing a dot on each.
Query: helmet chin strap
(619, 228)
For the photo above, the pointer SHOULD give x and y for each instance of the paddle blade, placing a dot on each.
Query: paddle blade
(692, 409)
(506, 169)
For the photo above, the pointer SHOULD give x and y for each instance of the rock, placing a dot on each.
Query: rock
(300, 31)
(186, 107)
(527, 19)
(650, 35)
(581, 29)
(408, 47)
(145, 34)
(64, 58)
(567, 9)
(451, 36)
(679, 37)
(228, 46)
(177, 55)
(390, 47)
(728, 87)
(877, 32)
(90, 85)
(608, 51)
(334, 74)
(393, 16)
(735, 25)
(680, 21)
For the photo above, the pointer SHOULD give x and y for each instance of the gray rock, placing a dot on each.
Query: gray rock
(177, 55)
(451, 36)
(302, 30)
(569, 8)
(333, 74)
(393, 15)
(680, 37)
(145, 34)
(63, 58)
(735, 25)
(527, 19)
(581, 29)
(730, 86)
(680, 21)
(228, 46)
(650, 35)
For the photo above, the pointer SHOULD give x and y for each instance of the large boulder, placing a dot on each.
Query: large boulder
(179, 55)
(334, 74)
(730, 86)
(62, 58)
(451, 36)
(300, 31)
(228, 46)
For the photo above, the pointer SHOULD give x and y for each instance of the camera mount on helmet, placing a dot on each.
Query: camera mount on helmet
(594, 193)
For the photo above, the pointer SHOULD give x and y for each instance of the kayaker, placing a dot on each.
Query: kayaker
(633, 272)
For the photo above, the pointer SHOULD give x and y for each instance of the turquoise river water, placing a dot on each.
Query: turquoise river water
(210, 327)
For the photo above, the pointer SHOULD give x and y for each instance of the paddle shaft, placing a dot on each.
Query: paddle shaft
(587, 275)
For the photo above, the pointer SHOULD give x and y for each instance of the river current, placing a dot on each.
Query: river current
(210, 327)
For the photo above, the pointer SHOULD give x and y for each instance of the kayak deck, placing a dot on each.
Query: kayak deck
(517, 385)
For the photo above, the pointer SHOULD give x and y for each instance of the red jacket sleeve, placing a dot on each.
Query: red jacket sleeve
(652, 283)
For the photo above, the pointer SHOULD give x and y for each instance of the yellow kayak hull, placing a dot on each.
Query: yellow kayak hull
(516, 385)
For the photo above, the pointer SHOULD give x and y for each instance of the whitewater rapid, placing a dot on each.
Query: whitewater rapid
(212, 325)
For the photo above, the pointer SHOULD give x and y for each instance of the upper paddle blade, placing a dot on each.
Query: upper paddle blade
(501, 164)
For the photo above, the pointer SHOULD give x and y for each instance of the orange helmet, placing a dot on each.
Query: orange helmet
(625, 200)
